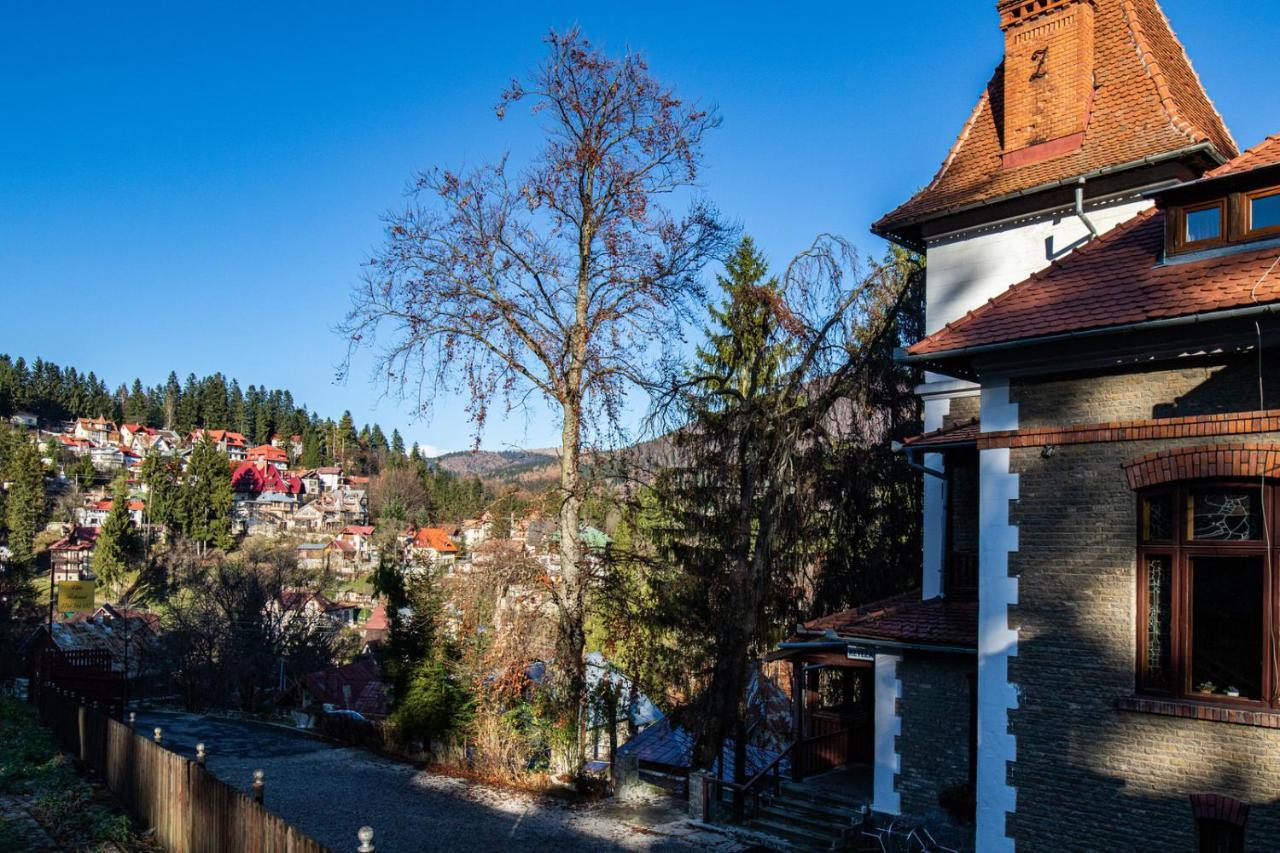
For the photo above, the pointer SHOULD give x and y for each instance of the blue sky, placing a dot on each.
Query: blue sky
(195, 189)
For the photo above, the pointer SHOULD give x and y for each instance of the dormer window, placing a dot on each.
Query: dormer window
(1202, 225)
(1264, 212)
(1234, 218)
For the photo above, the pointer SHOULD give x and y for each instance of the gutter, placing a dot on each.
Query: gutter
(1144, 325)
(877, 644)
(1149, 160)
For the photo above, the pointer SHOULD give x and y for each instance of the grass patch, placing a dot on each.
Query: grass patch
(31, 764)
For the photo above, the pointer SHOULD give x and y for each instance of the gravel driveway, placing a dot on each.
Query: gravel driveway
(329, 792)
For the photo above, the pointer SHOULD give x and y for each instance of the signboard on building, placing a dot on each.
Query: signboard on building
(858, 653)
(75, 596)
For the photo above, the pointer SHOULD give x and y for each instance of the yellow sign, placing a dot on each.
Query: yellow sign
(75, 595)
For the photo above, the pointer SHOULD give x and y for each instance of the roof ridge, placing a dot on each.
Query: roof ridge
(1173, 106)
(1087, 249)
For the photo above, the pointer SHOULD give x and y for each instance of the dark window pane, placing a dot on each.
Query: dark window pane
(1265, 212)
(1159, 614)
(1205, 224)
(1157, 518)
(1226, 626)
(1226, 515)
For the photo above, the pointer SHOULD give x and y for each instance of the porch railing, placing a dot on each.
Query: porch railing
(808, 755)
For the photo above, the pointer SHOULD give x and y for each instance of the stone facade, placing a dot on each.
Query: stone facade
(1089, 775)
(934, 744)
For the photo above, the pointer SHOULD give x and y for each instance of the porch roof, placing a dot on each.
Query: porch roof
(906, 619)
(959, 434)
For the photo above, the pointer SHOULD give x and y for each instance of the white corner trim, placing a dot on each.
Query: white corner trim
(997, 413)
(997, 642)
(885, 797)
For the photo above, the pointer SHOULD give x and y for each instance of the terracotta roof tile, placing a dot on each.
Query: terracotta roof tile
(1116, 280)
(1149, 101)
(960, 433)
(906, 618)
(1265, 153)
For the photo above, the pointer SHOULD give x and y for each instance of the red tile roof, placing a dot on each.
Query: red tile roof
(256, 477)
(1265, 153)
(268, 453)
(435, 538)
(1149, 101)
(358, 530)
(1116, 280)
(905, 618)
(960, 433)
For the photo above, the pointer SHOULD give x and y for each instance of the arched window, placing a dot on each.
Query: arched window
(1206, 591)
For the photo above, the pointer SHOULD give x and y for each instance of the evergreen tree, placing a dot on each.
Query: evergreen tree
(397, 447)
(118, 545)
(172, 394)
(207, 497)
(83, 471)
(188, 417)
(163, 477)
(136, 404)
(236, 409)
(25, 503)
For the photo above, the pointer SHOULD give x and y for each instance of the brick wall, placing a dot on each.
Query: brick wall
(934, 744)
(1048, 71)
(1090, 776)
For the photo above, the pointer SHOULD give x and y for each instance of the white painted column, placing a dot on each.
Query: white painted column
(935, 505)
(888, 688)
(997, 642)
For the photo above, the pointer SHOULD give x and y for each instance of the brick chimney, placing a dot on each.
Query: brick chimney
(1048, 77)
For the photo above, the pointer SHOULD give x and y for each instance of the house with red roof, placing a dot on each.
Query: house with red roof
(430, 546)
(270, 454)
(234, 444)
(264, 499)
(71, 557)
(1090, 660)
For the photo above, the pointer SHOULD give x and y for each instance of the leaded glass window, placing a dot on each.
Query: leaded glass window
(1227, 515)
(1157, 518)
(1159, 616)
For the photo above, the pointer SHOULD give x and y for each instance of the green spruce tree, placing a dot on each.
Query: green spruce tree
(207, 497)
(118, 547)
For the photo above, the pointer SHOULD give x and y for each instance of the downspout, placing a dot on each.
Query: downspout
(1084, 217)
(909, 456)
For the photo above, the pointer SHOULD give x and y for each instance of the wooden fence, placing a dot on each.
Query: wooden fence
(191, 810)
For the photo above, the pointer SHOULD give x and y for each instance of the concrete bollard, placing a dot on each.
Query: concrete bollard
(159, 735)
(258, 786)
(200, 754)
(365, 834)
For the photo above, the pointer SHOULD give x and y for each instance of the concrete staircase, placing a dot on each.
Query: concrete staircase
(799, 818)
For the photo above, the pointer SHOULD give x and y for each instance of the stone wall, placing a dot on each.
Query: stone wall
(933, 748)
(1088, 775)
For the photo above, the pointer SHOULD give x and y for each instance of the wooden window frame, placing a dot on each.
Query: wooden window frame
(1181, 551)
(1251, 233)
(1182, 244)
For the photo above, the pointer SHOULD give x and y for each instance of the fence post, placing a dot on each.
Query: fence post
(200, 754)
(365, 834)
(159, 736)
(257, 787)
(133, 721)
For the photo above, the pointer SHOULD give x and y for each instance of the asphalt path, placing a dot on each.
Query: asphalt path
(329, 792)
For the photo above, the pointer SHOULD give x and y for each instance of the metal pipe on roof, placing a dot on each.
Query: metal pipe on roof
(1084, 217)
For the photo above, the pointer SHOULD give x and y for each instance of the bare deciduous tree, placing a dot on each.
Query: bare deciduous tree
(562, 281)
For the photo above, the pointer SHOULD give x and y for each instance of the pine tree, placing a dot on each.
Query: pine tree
(172, 394)
(25, 503)
(397, 446)
(136, 404)
(163, 477)
(118, 545)
(207, 497)
(188, 417)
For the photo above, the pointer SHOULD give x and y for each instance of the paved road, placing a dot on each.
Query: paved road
(329, 792)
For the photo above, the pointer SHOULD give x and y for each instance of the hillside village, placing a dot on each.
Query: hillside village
(966, 547)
